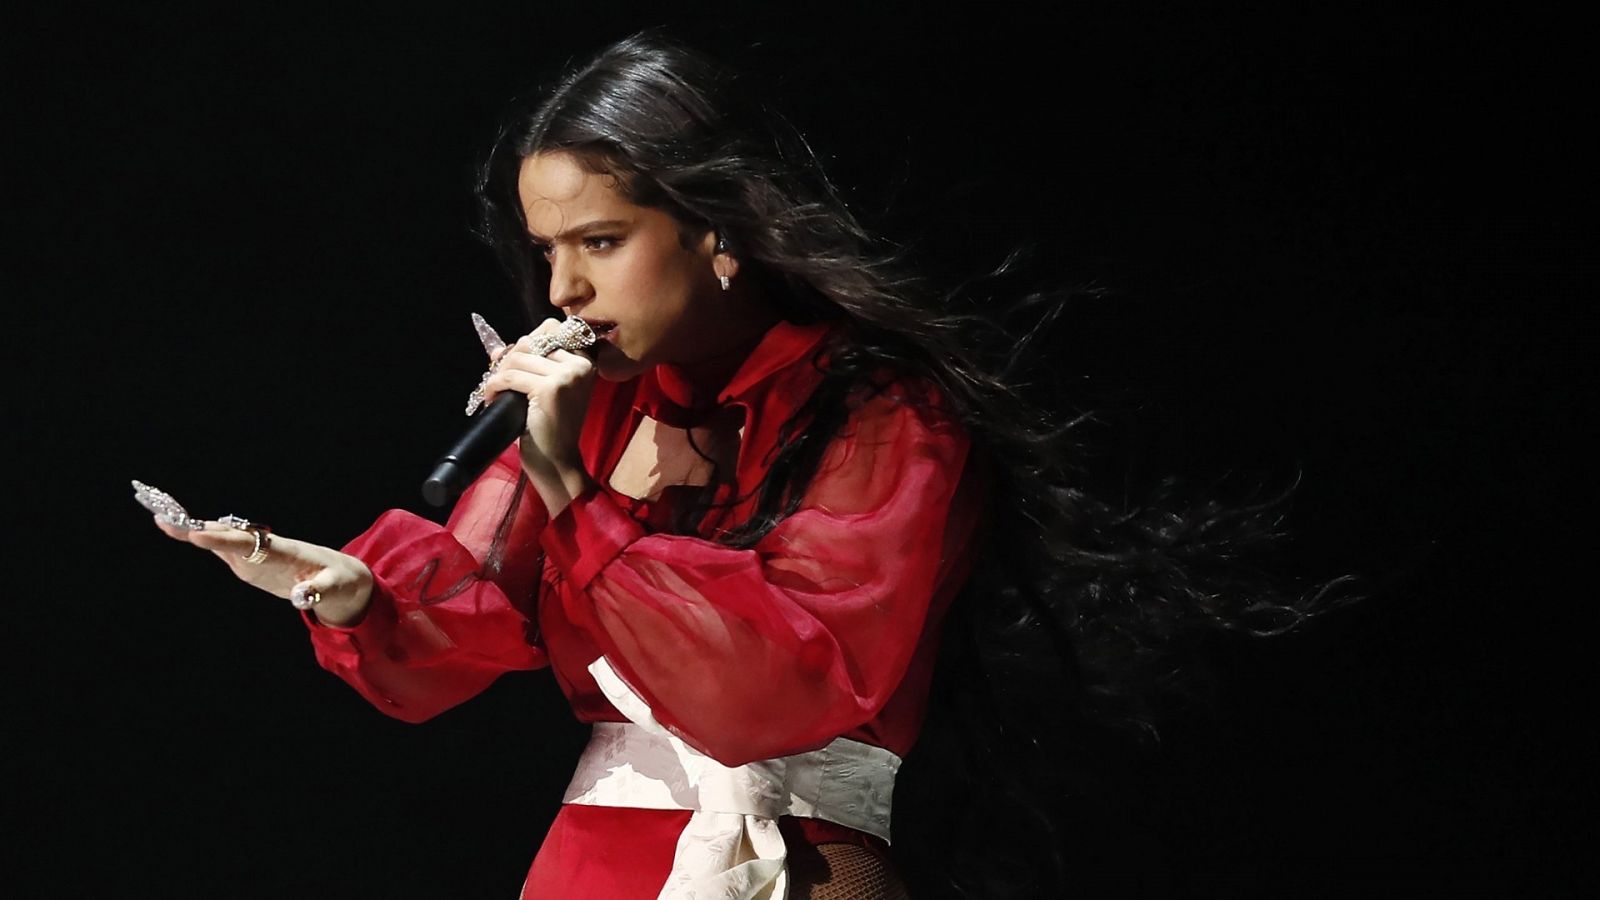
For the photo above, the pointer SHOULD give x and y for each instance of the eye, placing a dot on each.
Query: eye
(601, 242)
(543, 250)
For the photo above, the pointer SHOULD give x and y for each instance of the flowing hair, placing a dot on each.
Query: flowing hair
(1078, 610)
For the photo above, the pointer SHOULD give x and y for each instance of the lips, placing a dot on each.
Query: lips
(601, 328)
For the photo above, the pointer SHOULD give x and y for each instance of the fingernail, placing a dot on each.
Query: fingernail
(161, 504)
(475, 399)
(492, 342)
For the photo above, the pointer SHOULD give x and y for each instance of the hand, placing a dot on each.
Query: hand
(558, 388)
(344, 582)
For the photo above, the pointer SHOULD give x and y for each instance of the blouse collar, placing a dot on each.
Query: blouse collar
(666, 393)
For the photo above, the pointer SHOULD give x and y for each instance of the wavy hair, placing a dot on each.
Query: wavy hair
(1079, 610)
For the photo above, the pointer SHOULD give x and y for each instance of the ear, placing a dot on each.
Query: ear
(723, 263)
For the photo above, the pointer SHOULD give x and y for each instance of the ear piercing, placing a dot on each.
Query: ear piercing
(722, 247)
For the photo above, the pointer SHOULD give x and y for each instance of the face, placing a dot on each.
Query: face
(624, 268)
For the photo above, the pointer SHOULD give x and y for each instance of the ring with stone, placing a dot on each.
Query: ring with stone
(574, 335)
(304, 597)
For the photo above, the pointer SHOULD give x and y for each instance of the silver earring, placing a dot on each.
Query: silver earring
(724, 280)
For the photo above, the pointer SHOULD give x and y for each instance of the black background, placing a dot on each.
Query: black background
(1337, 242)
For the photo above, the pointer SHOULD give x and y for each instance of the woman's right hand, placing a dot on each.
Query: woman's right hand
(343, 581)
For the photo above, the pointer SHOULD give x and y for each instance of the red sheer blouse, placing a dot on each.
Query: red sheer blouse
(827, 627)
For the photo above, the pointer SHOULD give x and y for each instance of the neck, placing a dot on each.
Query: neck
(748, 322)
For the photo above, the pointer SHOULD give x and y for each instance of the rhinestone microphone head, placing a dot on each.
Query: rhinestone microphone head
(574, 334)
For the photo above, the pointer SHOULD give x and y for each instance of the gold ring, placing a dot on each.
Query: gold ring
(258, 553)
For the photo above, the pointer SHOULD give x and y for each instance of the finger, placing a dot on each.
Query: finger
(578, 363)
(287, 560)
(197, 536)
(520, 381)
(530, 374)
(527, 362)
(547, 327)
(320, 584)
(522, 364)
(171, 530)
(219, 538)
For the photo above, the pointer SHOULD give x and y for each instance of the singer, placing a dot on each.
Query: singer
(786, 484)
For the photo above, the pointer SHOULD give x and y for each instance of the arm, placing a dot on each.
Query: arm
(452, 606)
(750, 654)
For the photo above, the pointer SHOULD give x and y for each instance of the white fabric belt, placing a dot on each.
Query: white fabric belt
(731, 848)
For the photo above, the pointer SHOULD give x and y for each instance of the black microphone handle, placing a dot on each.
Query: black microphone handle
(490, 433)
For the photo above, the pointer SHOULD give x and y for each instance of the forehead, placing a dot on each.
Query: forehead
(558, 193)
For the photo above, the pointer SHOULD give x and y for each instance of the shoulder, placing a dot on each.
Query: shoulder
(899, 438)
(893, 420)
(912, 400)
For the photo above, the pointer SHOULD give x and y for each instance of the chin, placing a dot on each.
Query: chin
(622, 370)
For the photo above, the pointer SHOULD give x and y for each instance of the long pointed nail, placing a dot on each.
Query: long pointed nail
(492, 342)
(165, 507)
(475, 399)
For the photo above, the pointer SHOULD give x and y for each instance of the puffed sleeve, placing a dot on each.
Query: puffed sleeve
(778, 649)
(452, 605)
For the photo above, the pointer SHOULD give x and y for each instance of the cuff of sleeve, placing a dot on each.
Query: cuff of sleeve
(586, 536)
(372, 630)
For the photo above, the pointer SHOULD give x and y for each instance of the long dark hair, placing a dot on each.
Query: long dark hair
(1079, 610)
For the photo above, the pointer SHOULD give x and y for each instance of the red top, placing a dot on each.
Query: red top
(826, 628)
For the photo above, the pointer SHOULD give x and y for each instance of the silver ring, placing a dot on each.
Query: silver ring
(575, 334)
(572, 335)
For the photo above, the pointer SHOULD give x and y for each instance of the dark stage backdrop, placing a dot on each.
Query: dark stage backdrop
(241, 271)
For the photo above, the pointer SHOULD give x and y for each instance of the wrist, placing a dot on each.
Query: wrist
(343, 609)
(558, 486)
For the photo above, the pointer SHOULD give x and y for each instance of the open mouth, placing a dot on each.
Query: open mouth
(601, 328)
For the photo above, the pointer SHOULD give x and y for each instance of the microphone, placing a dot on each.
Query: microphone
(490, 433)
(493, 430)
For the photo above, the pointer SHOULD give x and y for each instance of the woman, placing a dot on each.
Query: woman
(734, 527)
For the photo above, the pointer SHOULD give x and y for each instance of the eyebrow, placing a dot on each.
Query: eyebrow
(585, 228)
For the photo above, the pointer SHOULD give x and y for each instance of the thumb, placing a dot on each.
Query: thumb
(307, 595)
(336, 593)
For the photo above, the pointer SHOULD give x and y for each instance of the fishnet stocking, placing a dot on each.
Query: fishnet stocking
(842, 872)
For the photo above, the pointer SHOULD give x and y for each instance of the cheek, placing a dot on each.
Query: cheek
(662, 288)
(672, 272)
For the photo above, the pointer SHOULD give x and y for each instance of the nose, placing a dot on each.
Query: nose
(569, 287)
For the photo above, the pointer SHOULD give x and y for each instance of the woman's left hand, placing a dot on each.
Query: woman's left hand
(558, 388)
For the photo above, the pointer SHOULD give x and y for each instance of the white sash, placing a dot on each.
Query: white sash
(731, 848)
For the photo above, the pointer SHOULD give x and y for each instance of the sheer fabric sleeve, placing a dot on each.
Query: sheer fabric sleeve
(778, 649)
(452, 605)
